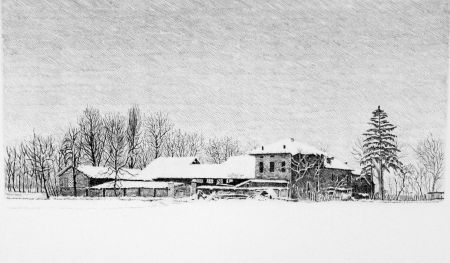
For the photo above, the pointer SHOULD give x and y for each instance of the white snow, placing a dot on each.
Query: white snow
(287, 146)
(113, 230)
(101, 172)
(176, 167)
(337, 164)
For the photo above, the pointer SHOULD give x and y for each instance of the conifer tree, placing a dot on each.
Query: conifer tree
(380, 148)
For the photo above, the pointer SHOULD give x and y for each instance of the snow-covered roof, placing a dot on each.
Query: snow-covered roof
(337, 164)
(101, 172)
(235, 167)
(173, 161)
(134, 184)
(287, 146)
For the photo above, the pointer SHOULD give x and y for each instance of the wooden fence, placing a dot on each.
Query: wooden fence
(179, 192)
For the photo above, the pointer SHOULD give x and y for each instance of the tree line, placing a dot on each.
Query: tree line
(112, 140)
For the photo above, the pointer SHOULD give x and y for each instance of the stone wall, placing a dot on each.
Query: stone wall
(66, 180)
(278, 172)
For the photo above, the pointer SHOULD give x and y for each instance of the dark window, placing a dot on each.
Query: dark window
(272, 167)
(261, 167)
(272, 156)
(283, 167)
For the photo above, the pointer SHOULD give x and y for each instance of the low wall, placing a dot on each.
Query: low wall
(177, 192)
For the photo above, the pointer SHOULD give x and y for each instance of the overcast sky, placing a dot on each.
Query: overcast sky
(257, 70)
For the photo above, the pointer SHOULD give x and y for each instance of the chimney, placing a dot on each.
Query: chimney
(284, 146)
(262, 148)
(292, 140)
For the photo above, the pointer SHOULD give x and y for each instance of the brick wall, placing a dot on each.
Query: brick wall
(277, 160)
(66, 180)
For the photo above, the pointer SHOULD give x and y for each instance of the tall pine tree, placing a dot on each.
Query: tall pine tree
(380, 148)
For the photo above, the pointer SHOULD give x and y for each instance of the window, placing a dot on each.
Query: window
(261, 167)
(219, 181)
(229, 180)
(210, 181)
(272, 167)
(283, 167)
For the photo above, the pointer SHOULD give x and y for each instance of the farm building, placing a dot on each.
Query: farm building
(188, 170)
(87, 176)
(306, 168)
(236, 175)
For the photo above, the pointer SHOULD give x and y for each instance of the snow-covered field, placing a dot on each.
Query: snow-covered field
(111, 230)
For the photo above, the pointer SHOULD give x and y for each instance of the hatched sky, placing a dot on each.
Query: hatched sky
(258, 70)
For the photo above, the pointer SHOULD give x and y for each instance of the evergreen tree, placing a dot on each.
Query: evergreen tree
(380, 148)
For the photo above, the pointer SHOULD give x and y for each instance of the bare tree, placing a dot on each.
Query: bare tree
(402, 180)
(306, 169)
(93, 136)
(420, 182)
(218, 150)
(116, 145)
(213, 150)
(40, 151)
(430, 155)
(182, 144)
(71, 150)
(157, 128)
(144, 155)
(358, 149)
(11, 167)
(23, 166)
(195, 143)
(133, 135)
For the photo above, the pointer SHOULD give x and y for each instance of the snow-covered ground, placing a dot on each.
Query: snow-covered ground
(111, 230)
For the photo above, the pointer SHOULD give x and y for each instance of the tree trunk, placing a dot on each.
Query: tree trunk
(381, 184)
(37, 185)
(13, 182)
(45, 186)
(74, 177)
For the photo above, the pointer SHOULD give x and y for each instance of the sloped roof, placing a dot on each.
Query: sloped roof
(182, 168)
(101, 172)
(337, 164)
(134, 184)
(287, 146)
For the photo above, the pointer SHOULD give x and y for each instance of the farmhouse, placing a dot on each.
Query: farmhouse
(307, 169)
